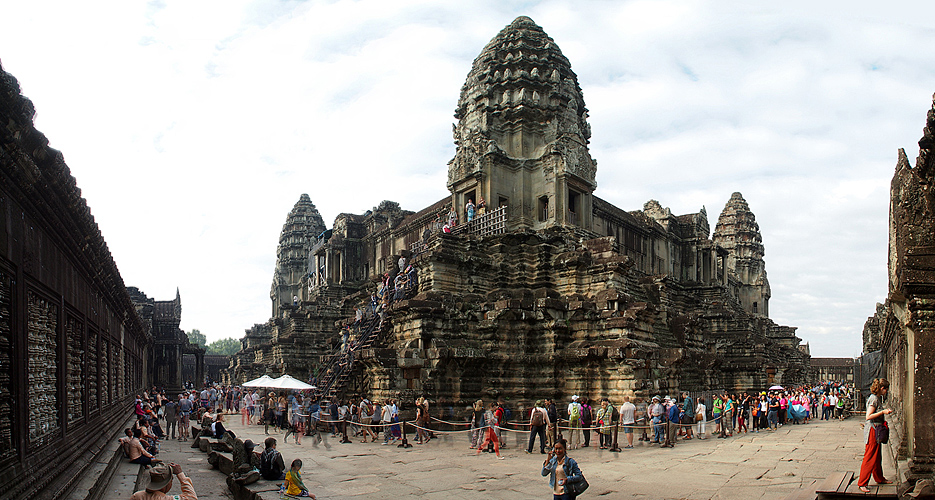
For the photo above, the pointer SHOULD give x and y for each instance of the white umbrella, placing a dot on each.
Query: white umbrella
(287, 382)
(776, 388)
(263, 381)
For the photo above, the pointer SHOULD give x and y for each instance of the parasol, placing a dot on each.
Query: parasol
(288, 382)
(776, 388)
(263, 381)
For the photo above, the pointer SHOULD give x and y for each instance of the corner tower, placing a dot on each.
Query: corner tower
(739, 234)
(302, 227)
(522, 133)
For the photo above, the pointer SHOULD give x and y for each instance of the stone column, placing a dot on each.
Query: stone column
(921, 381)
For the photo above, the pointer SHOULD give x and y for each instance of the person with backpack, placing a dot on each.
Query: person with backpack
(272, 466)
(574, 421)
(538, 420)
(586, 419)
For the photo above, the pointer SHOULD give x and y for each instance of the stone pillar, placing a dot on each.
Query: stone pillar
(921, 382)
(199, 368)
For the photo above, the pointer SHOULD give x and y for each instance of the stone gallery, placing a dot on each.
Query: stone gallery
(521, 283)
(902, 331)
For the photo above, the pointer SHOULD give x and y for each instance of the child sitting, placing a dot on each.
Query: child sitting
(294, 485)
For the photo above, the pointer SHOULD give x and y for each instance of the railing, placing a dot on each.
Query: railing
(492, 222)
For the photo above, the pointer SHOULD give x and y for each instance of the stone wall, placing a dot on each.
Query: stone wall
(72, 349)
(903, 328)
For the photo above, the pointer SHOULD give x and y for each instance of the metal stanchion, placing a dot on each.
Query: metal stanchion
(405, 442)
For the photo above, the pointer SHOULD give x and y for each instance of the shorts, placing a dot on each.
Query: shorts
(628, 428)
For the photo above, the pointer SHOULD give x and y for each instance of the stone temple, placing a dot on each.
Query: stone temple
(550, 291)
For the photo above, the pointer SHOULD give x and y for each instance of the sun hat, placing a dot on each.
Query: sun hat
(574, 398)
(159, 476)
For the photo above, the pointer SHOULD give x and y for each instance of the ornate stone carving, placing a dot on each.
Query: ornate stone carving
(7, 446)
(93, 402)
(74, 333)
(42, 322)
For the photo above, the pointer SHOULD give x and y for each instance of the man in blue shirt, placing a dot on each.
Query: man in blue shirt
(672, 428)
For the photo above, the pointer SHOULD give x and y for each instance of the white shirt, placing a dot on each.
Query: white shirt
(571, 406)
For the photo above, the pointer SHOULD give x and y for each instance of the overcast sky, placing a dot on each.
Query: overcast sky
(193, 127)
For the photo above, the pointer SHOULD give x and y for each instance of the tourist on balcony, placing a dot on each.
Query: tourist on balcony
(452, 217)
(481, 206)
(469, 210)
(876, 432)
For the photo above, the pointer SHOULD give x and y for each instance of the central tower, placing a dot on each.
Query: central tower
(522, 133)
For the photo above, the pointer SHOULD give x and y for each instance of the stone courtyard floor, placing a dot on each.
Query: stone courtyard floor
(765, 465)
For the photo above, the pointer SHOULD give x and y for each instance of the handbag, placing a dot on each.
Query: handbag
(578, 487)
(882, 432)
(699, 417)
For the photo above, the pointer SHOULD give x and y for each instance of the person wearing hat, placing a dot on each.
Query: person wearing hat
(656, 411)
(160, 482)
(574, 421)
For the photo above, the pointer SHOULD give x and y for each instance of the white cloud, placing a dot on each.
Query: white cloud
(193, 128)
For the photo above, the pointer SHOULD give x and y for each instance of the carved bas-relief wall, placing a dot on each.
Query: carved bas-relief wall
(72, 349)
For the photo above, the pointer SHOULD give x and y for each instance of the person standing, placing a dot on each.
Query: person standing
(628, 419)
(477, 422)
(688, 416)
(469, 210)
(490, 433)
(586, 421)
(673, 413)
(185, 410)
(604, 421)
(170, 412)
(656, 412)
(872, 464)
(538, 420)
(552, 428)
(772, 414)
(574, 421)
(561, 470)
(701, 411)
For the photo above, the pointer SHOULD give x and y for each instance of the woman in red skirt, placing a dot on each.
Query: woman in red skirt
(873, 455)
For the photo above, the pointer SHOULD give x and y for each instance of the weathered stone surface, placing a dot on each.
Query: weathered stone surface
(72, 348)
(903, 328)
(579, 297)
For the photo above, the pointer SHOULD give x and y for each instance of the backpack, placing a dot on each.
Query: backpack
(585, 413)
(575, 411)
(537, 417)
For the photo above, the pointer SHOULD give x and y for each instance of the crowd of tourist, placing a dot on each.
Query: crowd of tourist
(661, 420)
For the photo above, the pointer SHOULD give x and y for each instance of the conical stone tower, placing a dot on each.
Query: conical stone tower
(301, 229)
(522, 133)
(738, 233)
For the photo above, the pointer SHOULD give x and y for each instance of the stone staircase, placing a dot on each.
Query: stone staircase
(340, 363)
